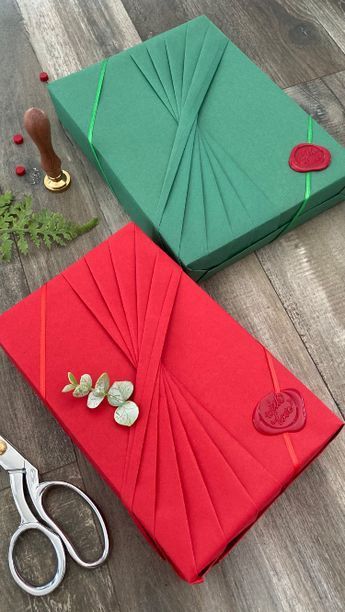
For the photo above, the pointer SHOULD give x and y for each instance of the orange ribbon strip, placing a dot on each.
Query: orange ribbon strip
(276, 386)
(43, 311)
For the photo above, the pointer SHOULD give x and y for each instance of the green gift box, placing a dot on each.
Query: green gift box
(195, 142)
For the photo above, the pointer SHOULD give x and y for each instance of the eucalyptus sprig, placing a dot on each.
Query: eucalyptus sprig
(19, 224)
(117, 394)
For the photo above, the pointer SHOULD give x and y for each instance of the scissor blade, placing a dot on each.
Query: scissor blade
(10, 459)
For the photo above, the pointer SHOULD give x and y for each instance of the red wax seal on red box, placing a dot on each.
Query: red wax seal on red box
(306, 157)
(20, 170)
(280, 412)
(44, 77)
(18, 139)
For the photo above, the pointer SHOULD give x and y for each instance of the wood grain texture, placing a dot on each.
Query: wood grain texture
(81, 589)
(84, 34)
(292, 559)
(285, 38)
(330, 14)
(63, 43)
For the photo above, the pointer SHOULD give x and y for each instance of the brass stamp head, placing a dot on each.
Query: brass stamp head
(3, 447)
(58, 184)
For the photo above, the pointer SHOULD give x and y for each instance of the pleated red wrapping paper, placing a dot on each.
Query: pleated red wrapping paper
(194, 471)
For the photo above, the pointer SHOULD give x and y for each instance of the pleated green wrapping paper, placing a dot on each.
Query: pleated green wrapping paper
(195, 140)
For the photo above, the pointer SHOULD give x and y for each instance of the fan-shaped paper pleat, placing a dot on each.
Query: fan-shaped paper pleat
(239, 459)
(172, 526)
(146, 492)
(159, 309)
(85, 286)
(178, 455)
(151, 76)
(181, 77)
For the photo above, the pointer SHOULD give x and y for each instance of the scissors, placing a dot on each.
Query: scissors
(20, 471)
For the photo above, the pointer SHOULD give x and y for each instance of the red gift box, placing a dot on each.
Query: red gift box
(223, 426)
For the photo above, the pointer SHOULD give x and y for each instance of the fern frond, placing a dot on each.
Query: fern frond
(19, 222)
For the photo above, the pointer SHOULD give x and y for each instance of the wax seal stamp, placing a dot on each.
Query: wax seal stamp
(280, 412)
(307, 157)
(37, 125)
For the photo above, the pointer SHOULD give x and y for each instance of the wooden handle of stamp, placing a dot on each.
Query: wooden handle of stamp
(37, 126)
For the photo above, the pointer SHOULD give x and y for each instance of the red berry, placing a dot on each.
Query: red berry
(44, 77)
(20, 170)
(18, 139)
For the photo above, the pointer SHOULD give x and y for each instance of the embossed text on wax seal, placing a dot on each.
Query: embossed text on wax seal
(280, 412)
(307, 157)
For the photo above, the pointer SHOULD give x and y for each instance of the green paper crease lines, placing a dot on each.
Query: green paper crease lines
(194, 140)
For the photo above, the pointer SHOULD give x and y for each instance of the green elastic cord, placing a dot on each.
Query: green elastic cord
(307, 189)
(93, 118)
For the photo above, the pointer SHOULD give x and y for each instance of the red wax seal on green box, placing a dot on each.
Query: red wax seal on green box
(306, 157)
(280, 412)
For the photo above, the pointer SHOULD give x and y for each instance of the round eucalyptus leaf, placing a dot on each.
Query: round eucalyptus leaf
(126, 414)
(103, 383)
(119, 392)
(86, 381)
(95, 398)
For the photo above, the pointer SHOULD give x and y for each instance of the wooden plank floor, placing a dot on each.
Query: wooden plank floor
(290, 295)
